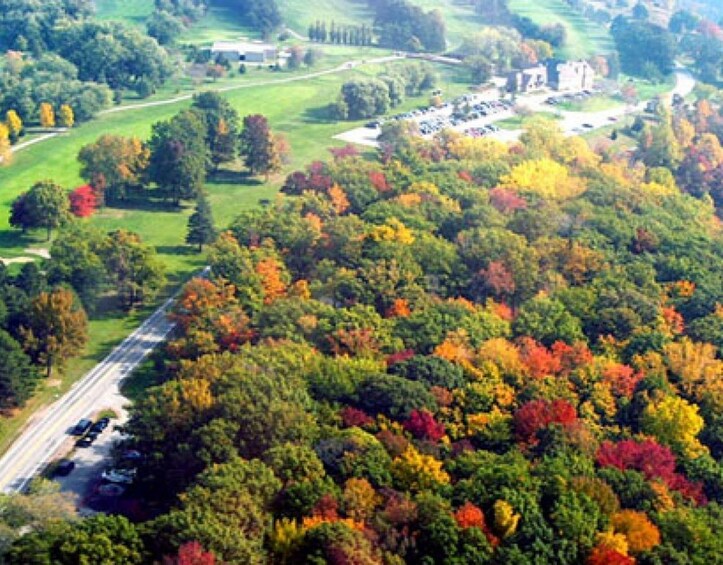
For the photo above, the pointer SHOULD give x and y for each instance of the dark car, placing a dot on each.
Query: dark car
(64, 467)
(100, 425)
(81, 427)
(84, 442)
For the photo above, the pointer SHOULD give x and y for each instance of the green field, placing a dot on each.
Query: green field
(584, 38)
(133, 12)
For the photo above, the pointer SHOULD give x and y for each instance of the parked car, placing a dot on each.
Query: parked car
(100, 425)
(122, 476)
(84, 442)
(81, 427)
(64, 467)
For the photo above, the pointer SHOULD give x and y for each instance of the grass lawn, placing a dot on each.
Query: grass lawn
(584, 38)
(132, 12)
(593, 104)
(294, 109)
(519, 122)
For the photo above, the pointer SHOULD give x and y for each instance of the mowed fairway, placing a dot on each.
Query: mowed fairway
(130, 11)
(584, 38)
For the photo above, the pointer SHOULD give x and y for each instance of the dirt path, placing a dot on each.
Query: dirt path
(38, 252)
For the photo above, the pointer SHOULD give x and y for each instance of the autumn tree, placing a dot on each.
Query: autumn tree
(258, 147)
(83, 201)
(191, 553)
(66, 116)
(113, 165)
(201, 230)
(45, 205)
(14, 125)
(640, 532)
(5, 150)
(56, 330)
(538, 414)
(675, 422)
(47, 115)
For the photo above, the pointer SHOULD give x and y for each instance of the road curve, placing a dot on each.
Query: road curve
(41, 440)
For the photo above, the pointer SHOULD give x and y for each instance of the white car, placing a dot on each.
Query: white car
(123, 476)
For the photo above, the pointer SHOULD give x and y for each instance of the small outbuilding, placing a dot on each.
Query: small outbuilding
(245, 52)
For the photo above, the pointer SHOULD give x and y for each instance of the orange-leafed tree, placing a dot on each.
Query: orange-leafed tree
(57, 329)
(273, 279)
(641, 533)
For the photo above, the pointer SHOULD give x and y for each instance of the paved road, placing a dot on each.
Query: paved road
(47, 433)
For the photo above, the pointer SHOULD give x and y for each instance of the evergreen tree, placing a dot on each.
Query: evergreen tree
(17, 376)
(200, 224)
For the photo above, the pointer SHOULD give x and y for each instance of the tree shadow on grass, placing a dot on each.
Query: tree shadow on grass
(16, 238)
(318, 115)
(225, 176)
(139, 203)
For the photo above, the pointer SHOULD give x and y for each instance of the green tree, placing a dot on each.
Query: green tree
(179, 155)
(133, 267)
(17, 376)
(200, 225)
(101, 539)
(45, 205)
(548, 321)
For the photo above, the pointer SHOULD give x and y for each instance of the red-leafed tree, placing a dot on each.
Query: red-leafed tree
(498, 279)
(347, 152)
(653, 460)
(422, 425)
(191, 553)
(572, 357)
(539, 360)
(353, 417)
(470, 516)
(622, 379)
(83, 201)
(603, 555)
(538, 414)
(506, 201)
(379, 181)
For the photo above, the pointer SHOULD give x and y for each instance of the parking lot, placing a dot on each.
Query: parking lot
(472, 113)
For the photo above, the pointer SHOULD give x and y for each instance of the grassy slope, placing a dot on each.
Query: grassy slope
(584, 38)
(130, 11)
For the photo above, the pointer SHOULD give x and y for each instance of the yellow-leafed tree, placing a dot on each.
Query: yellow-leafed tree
(66, 116)
(47, 115)
(545, 178)
(14, 125)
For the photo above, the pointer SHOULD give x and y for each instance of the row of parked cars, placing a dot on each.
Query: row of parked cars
(460, 111)
(89, 431)
(569, 97)
(469, 111)
(482, 130)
